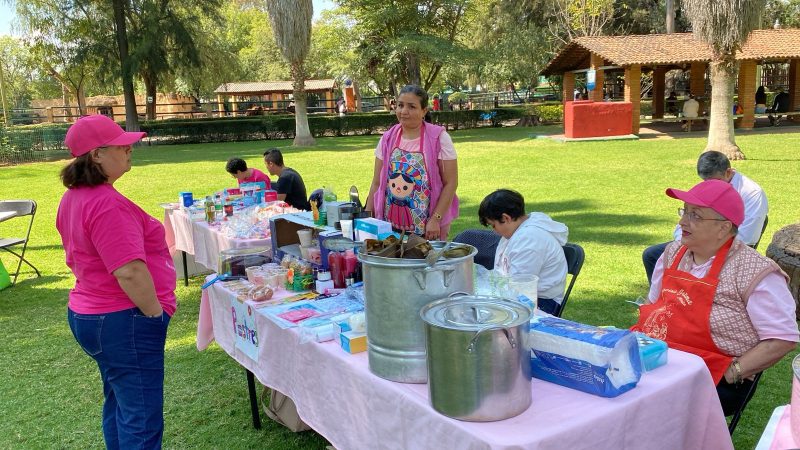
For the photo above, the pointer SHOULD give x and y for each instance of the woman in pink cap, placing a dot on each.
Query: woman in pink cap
(124, 296)
(714, 296)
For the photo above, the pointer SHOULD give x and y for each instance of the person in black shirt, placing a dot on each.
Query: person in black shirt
(779, 105)
(290, 186)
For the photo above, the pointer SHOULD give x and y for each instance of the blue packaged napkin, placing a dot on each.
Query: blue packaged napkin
(599, 361)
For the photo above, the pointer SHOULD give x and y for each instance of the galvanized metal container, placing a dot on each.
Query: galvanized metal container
(479, 366)
(395, 290)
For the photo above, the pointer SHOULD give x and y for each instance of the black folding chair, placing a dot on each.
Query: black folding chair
(575, 256)
(738, 413)
(17, 209)
(763, 228)
(486, 243)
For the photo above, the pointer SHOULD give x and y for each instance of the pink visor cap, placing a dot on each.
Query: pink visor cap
(91, 132)
(715, 194)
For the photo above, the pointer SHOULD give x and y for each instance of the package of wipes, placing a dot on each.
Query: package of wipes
(599, 361)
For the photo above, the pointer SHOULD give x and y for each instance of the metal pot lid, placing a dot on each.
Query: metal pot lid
(475, 312)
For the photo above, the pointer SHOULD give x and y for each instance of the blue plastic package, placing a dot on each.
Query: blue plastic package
(652, 351)
(598, 361)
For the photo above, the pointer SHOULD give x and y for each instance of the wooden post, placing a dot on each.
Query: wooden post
(697, 84)
(747, 94)
(220, 106)
(633, 93)
(567, 87)
(658, 92)
(597, 94)
(794, 87)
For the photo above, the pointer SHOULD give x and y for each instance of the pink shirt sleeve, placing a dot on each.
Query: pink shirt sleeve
(448, 151)
(655, 280)
(772, 309)
(118, 236)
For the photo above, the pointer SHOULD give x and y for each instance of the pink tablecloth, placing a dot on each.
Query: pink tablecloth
(673, 407)
(201, 240)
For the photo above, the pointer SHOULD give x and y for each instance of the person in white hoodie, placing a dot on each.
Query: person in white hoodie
(530, 244)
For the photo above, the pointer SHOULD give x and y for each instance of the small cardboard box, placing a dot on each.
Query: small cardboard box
(353, 342)
(371, 228)
(283, 230)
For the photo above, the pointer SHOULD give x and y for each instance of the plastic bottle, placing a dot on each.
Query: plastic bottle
(218, 211)
(337, 268)
(210, 212)
(315, 212)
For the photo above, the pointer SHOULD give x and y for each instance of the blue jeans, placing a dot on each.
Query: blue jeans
(650, 258)
(547, 305)
(129, 350)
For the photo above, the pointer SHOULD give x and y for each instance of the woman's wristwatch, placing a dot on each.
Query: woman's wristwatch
(437, 216)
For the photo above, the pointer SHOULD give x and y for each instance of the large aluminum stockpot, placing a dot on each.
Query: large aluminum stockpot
(479, 366)
(395, 290)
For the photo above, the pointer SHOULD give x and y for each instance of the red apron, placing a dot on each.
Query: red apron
(681, 314)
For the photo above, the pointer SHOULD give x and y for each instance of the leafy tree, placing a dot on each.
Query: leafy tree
(405, 42)
(120, 8)
(724, 25)
(785, 12)
(16, 72)
(291, 25)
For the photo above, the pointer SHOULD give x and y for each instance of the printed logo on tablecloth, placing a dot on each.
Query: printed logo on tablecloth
(244, 327)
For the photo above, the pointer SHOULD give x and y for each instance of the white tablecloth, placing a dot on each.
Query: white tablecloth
(673, 407)
(201, 240)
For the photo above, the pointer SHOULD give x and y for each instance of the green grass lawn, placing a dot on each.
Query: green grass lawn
(610, 194)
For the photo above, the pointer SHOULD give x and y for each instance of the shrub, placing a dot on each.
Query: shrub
(548, 112)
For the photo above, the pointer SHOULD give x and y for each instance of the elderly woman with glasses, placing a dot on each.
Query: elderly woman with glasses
(714, 296)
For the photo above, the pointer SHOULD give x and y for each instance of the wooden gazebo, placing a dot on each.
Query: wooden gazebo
(659, 53)
(271, 91)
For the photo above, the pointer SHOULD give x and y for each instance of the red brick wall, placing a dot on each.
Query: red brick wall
(747, 93)
(633, 94)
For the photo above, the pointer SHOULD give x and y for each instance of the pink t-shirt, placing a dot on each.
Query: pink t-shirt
(447, 152)
(102, 231)
(257, 176)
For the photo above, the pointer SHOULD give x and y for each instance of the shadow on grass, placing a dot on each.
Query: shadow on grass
(584, 220)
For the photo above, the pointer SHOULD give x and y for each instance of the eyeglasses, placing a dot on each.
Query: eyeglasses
(694, 217)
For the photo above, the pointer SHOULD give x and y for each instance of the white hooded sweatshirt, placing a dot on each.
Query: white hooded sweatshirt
(535, 249)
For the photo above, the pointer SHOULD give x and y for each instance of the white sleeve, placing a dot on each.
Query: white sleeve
(378, 151)
(655, 281)
(755, 210)
(524, 259)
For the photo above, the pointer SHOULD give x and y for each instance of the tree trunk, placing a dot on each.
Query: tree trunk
(412, 69)
(65, 97)
(302, 133)
(80, 95)
(151, 88)
(720, 128)
(131, 116)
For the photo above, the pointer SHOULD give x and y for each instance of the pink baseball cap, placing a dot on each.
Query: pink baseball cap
(91, 132)
(715, 194)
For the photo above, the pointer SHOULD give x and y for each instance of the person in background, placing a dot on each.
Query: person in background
(237, 167)
(691, 109)
(289, 186)
(672, 103)
(530, 244)
(717, 298)
(124, 293)
(779, 104)
(713, 165)
(761, 100)
(436, 103)
(415, 175)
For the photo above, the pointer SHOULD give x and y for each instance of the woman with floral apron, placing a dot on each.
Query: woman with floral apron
(416, 173)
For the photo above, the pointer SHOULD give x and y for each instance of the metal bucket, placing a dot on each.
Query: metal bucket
(479, 366)
(395, 290)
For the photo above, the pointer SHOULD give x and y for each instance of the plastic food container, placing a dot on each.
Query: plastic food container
(234, 262)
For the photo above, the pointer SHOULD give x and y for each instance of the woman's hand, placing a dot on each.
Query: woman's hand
(432, 229)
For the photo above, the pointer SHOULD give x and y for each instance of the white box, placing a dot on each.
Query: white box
(371, 228)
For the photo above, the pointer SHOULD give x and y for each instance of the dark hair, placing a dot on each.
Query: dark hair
(760, 90)
(499, 202)
(274, 156)
(83, 171)
(416, 90)
(235, 165)
(712, 164)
